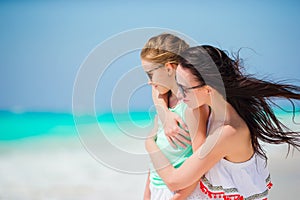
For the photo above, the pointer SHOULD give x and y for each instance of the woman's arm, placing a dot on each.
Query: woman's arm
(184, 193)
(215, 148)
(196, 120)
(170, 121)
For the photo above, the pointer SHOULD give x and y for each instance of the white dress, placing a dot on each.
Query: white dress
(249, 180)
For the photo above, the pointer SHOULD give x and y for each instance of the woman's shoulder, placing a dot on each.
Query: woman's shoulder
(198, 112)
(236, 142)
(224, 133)
(227, 135)
(234, 133)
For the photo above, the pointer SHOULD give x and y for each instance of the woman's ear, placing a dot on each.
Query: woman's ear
(208, 89)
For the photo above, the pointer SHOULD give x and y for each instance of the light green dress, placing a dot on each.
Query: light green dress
(176, 156)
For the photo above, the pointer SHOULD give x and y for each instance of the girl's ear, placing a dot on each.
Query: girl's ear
(171, 68)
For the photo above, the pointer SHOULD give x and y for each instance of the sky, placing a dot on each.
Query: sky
(43, 44)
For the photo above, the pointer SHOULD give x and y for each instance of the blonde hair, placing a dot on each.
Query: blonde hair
(164, 48)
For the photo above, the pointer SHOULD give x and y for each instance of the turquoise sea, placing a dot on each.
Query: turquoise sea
(14, 126)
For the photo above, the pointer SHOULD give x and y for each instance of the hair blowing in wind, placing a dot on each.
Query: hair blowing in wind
(250, 97)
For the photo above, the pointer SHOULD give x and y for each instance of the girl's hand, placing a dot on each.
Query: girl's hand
(176, 135)
(174, 127)
(147, 192)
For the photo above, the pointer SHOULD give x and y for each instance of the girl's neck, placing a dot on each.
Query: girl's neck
(172, 100)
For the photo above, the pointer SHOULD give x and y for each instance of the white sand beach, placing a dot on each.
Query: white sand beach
(60, 168)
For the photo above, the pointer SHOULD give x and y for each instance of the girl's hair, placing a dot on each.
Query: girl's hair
(250, 97)
(164, 48)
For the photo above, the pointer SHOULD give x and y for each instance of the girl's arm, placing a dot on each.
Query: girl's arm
(151, 136)
(215, 148)
(147, 193)
(170, 121)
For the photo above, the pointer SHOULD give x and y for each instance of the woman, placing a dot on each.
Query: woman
(159, 60)
(231, 164)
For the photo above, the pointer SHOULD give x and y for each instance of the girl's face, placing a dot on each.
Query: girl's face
(158, 76)
(191, 91)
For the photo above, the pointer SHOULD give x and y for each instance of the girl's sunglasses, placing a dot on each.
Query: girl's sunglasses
(150, 72)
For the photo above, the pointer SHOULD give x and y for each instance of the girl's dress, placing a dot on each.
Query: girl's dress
(159, 190)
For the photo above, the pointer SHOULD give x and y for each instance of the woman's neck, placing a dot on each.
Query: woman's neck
(219, 108)
(223, 113)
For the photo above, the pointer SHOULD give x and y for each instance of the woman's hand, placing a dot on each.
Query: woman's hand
(176, 130)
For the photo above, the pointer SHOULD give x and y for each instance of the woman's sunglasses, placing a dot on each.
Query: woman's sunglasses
(183, 90)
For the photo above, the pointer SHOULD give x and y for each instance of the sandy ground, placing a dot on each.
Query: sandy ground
(60, 168)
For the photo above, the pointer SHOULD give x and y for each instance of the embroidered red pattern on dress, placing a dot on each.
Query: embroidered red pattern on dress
(269, 185)
(215, 195)
(221, 194)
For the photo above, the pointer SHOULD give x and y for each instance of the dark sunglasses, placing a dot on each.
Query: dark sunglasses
(150, 72)
(183, 90)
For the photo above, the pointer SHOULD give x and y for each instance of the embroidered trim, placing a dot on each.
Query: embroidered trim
(269, 183)
(230, 193)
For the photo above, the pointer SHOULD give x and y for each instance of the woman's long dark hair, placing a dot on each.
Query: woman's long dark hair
(249, 96)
